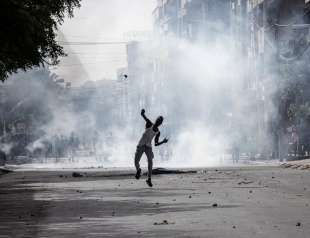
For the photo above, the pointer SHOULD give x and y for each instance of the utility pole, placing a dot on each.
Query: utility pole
(4, 129)
(204, 12)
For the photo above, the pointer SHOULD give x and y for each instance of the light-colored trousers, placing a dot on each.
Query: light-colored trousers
(149, 154)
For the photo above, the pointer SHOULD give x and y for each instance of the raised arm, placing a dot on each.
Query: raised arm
(148, 121)
(157, 143)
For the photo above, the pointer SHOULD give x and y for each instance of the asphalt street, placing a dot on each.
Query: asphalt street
(243, 202)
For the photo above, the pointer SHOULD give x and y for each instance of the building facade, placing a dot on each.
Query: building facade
(273, 37)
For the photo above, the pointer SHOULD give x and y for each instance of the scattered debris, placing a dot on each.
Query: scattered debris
(300, 164)
(164, 222)
(220, 178)
(286, 165)
(5, 171)
(204, 182)
(245, 182)
(171, 171)
(77, 175)
(296, 166)
(304, 167)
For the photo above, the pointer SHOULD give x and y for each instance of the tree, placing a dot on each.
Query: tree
(28, 32)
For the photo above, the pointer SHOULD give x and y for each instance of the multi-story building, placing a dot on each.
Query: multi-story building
(269, 36)
(192, 20)
(273, 36)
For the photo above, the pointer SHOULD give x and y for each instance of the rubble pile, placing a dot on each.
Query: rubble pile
(301, 164)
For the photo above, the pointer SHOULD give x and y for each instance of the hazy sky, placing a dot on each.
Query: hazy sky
(102, 20)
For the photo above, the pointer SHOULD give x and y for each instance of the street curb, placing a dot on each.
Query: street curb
(4, 170)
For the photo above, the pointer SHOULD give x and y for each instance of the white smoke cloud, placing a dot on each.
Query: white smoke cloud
(6, 147)
(201, 95)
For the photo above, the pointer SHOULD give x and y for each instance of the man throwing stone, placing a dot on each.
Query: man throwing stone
(145, 145)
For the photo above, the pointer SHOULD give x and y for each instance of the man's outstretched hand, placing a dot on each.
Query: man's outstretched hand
(165, 140)
(142, 112)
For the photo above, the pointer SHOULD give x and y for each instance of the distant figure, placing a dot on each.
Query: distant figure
(235, 154)
(145, 145)
(294, 141)
(2, 158)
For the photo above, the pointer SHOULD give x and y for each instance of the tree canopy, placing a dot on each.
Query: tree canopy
(28, 32)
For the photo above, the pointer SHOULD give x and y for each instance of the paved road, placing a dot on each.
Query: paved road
(227, 202)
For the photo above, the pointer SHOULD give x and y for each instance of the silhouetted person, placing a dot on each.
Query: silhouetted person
(145, 145)
(2, 158)
(235, 154)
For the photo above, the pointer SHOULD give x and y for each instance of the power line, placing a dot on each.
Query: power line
(96, 53)
(86, 64)
(93, 57)
(92, 42)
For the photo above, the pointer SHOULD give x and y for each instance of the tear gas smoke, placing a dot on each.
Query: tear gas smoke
(200, 95)
(202, 88)
(6, 148)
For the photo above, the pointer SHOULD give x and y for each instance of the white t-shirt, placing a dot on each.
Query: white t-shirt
(147, 137)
